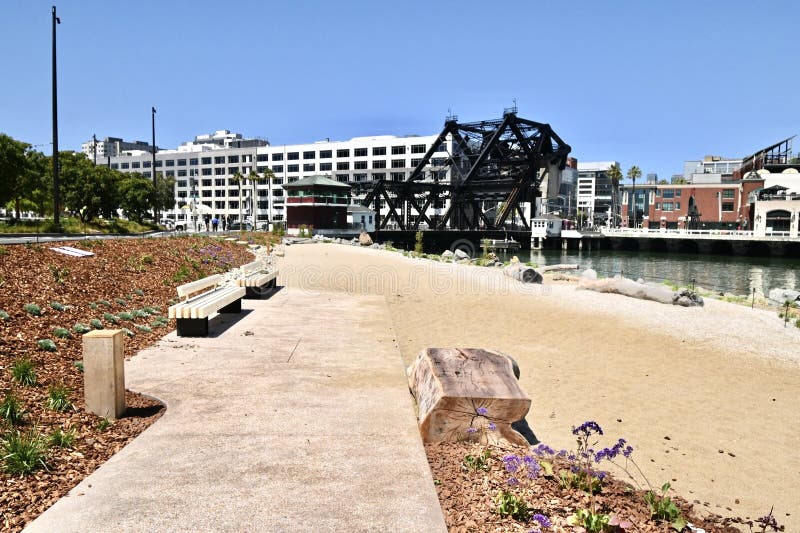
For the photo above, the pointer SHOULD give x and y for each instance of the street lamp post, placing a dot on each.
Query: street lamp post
(56, 184)
(153, 150)
(634, 202)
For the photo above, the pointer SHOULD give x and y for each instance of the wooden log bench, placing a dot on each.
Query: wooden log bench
(257, 280)
(192, 313)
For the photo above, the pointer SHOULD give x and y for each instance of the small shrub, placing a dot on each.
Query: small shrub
(159, 322)
(23, 453)
(418, 246)
(47, 345)
(146, 329)
(105, 303)
(78, 365)
(62, 333)
(479, 462)
(797, 323)
(110, 318)
(509, 504)
(592, 522)
(3, 250)
(32, 309)
(139, 313)
(11, 409)
(96, 324)
(81, 328)
(104, 424)
(59, 274)
(153, 310)
(4, 316)
(138, 292)
(129, 297)
(58, 398)
(92, 306)
(128, 332)
(61, 438)
(23, 371)
(146, 259)
(121, 302)
(57, 306)
(125, 315)
(663, 508)
(182, 274)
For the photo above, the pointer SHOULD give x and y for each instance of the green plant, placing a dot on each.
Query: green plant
(61, 438)
(508, 504)
(57, 306)
(23, 453)
(105, 302)
(3, 250)
(128, 332)
(47, 345)
(104, 424)
(146, 259)
(58, 398)
(151, 310)
(159, 322)
(182, 274)
(92, 306)
(122, 302)
(663, 508)
(78, 365)
(11, 409)
(110, 318)
(797, 323)
(62, 333)
(125, 315)
(138, 292)
(3, 315)
(592, 522)
(580, 480)
(33, 309)
(81, 328)
(23, 371)
(418, 246)
(146, 329)
(96, 324)
(59, 274)
(477, 462)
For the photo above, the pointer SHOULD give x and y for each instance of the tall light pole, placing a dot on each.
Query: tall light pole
(155, 179)
(634, 202)
(56, 191)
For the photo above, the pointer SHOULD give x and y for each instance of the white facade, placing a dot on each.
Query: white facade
(111, 147)
(203, 170)
(595, 194)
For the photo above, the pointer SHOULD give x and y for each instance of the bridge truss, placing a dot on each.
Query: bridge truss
(494, 166)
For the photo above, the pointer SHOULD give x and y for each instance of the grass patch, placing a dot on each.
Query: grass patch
(47, 345)
(75, 226)
(11, 409)
(62, 333)
(81, 328)
(32, 309)
(23, 371)
(58, 398)
(4, 316)
(23, 453)
(58, 306)
(96, 323)
(61, 438)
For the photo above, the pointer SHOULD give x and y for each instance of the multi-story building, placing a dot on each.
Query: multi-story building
(712, 169)
(204, 170)
(597, 194)
(112, 147)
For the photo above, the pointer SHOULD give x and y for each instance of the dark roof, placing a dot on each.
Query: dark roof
(310, 181)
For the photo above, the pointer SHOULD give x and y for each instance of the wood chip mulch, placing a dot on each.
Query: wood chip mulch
(123, 276)
(467, 496)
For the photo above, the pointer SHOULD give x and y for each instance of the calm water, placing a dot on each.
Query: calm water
(736, 275)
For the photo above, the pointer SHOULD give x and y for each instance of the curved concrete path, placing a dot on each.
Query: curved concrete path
(294, 416)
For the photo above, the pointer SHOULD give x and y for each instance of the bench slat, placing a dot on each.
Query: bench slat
(188, 288)
(205, 304)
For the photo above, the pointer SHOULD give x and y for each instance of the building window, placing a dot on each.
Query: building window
(135, 164)
(159, 163)
(293, 156)
(398, 150)
(324, 167)
(398, 163)
(360, 165)
(219, 204)
(677, 193)
(658, 194)
(205, 160)
(729, 193)
(360, 152)
(341, 178)
(415, 162)
(124, 165)
(342, 165)
(146, 174)
(181, 162)
(219, 160)
(146, 164)
(206, 183)
(667, 206)
(219, 171)
(219, 182)
(398, 176)
(669, 193)
(233, 204)
(170, 173)
(206, 172)
(658, 206)
(359, 177)
(677, 206)
(325, 154)
(277, 157)
(379, 150)
(727, 207)
(378, 175)
(380, 163)
(170, 162)
(182, 172)
(193, 161)
(262, 157)
(233, 170)
(343, 153)
(180, 183)
(233, 159)
(309, 167)
(309, 155)
(417, 148)
(293, 168)
(219, 193)
(277, 168)
(442, 148)
(438, 161)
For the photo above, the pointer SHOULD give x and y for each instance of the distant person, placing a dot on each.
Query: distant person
(224, 221)
(214, 223)
(207, 220)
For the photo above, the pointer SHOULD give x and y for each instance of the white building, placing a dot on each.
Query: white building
(111, 147)
(204, 168)
(596, 193)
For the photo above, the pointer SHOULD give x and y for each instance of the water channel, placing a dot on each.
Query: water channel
(735, 275)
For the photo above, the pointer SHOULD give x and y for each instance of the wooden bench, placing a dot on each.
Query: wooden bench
(192, 313)
(257, 280)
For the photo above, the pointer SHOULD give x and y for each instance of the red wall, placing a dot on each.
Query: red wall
(321, 217)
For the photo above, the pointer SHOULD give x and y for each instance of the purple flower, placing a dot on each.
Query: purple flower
(628, 451)
(472, 430)
(512, 463)
(491, 426)
(513, 481)
(587, 428)
(601, 475)
(543, 520)
(533, 466)
(544, 449)
(482, 411)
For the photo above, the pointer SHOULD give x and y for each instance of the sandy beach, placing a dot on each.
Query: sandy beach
(707, 396)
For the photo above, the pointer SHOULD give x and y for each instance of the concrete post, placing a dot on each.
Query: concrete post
(104, 373)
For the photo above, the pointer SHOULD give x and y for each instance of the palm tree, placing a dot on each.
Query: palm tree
(614, 173)
(633, 173)
(238, 177)
(254, 177)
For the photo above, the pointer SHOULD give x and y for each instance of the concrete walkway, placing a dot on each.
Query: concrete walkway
(294, 416)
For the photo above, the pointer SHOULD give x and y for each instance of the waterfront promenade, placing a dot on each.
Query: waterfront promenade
(294, 416)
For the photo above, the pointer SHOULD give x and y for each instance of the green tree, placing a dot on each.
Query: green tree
(633, 173)
(164, 194)
(13, 170)
(136, 196)
(615, 175)
(87, 190)
(238, 177)
(39, 183)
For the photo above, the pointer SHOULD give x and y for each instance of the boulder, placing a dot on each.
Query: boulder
(461, 390)
(460, 254)
(491, 257)
(447, 254)
(687, 298)
(589, 274)
(782, 295)
(522, 273)
(632, 289)
(364, 239)
(561, 266)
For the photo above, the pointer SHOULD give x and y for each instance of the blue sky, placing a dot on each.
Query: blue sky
(640, 82)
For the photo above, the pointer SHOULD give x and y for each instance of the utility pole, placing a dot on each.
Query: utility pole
(94, 148)
(155, 179)
(56, 191)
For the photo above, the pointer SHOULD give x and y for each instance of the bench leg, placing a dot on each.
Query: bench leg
(233, 307)
(262, 291)
(192, 327)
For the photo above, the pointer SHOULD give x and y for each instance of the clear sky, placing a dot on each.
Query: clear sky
(650, 83)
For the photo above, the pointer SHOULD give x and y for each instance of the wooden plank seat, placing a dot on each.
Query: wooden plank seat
(257, 279)
(192, 314)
